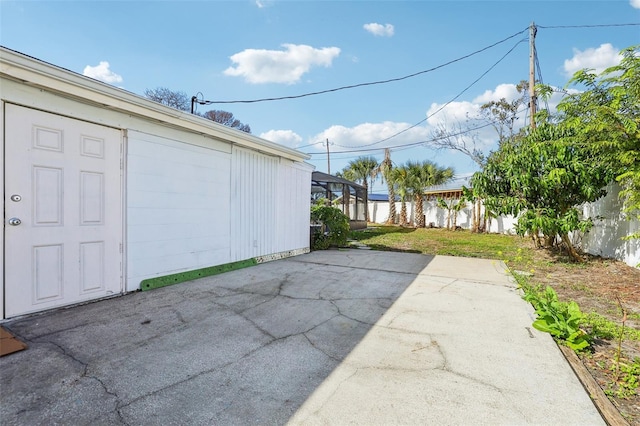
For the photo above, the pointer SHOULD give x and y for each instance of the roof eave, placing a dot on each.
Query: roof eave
(66, 83)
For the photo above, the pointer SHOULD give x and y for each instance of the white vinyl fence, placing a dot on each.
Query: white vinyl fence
(606, 238)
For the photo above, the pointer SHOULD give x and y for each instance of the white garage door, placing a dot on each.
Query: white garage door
(63, 211)
(177, 206)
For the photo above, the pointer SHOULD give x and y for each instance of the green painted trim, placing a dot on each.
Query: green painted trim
(152, 283)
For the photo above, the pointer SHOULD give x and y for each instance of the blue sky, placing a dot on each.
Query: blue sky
(248, 49)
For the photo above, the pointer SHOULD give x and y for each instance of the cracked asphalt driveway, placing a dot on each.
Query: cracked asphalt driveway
(333, 337)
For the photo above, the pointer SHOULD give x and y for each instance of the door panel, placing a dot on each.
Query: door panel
(63, 245)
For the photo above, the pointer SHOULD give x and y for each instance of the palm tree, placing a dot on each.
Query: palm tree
(346, 190)
(423, 175)
(385, 168)
(399, 177)
(364, 168)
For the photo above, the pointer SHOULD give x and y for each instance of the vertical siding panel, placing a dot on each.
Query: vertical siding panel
(270, 204)
(249, 175)
(275, 206)
(285, 207)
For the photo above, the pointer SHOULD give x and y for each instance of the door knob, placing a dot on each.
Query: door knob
(14, 221)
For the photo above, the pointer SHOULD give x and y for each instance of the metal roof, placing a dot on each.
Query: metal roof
(324, 177)
(455, 184)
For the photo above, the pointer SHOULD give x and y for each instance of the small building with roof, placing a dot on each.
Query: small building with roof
(107, 192)
(348, 196)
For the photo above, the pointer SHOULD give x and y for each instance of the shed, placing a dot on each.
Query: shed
(105, 190)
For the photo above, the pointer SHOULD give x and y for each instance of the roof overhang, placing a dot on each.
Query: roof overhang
(324, 177)
(34, 72)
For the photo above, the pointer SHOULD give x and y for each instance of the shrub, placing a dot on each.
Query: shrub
(334, 230)
(562, 320)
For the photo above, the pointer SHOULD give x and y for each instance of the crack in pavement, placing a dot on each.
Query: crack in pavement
(85, 374)
(336, 359)
(447, 368)
(332, 394)
(219, 368)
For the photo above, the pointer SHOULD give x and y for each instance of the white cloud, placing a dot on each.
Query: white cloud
(261, 4)
(507, 91)
(102, 72)
(460, 116)
(597, 59)
(280, 66)
(287, 138)
(380, 30)
(457, 112)
(364, 134)
(635, 3)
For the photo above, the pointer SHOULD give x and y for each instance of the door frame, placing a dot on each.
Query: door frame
(123, 208)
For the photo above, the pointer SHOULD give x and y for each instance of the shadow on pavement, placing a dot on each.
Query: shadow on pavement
(248, 346)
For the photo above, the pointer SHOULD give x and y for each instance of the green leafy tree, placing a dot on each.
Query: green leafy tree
(541, 178)
(421, 176)
(606, 117)
(502, 115)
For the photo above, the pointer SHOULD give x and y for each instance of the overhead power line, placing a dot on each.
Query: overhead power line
(452, 99)
(439, 109)
(352, 86)
(634, 24)
(337, 154)
(462, 132)
(391, 80)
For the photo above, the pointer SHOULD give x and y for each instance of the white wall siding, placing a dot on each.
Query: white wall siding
(294, 201)
(254, 179)
(178, 204)
(270, 201)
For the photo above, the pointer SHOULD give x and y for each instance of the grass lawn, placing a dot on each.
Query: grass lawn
(444, 242)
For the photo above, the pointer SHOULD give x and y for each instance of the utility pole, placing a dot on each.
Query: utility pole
(532, 74)
(328, 172)
(328, 160)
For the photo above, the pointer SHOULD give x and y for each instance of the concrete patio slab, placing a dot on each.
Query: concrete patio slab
(333, 337)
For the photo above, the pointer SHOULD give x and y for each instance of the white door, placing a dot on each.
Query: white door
(63, 211)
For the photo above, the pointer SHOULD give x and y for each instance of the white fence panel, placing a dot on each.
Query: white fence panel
(606, 238)
(437, 216)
